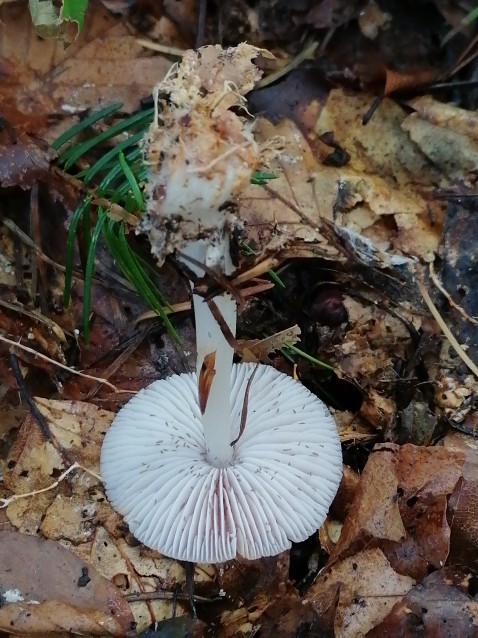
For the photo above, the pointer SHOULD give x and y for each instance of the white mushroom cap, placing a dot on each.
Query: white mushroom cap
(285, 472)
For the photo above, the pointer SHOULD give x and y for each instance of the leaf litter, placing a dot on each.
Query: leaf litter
(351, 224)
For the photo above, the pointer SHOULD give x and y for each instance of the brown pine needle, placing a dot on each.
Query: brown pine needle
(452, 303)
(446, 330)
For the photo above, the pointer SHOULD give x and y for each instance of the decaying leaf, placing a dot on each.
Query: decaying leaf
(381, 178)
(464, 504)
(46, 588)
(401, 505)
(254, 350)
(443, 605)
(76, 512)
(22, 162)
(358, 593)
(42, 79)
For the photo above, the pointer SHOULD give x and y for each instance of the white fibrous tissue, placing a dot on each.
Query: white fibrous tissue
(200, 153)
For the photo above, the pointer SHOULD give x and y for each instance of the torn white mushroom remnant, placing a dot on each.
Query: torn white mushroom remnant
(200, 153)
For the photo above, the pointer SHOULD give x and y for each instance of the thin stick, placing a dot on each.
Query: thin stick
(168, 595)
(4, 502)
(16, 344)
(452, 303)
(446, 330)
(26, 395)
(161, 48)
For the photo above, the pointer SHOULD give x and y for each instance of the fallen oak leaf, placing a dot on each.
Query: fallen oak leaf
(73, 598)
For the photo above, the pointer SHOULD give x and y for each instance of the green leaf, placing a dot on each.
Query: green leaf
(260, 178)
(74, 11)
(112, 153)
(304, 355)
(133, 270)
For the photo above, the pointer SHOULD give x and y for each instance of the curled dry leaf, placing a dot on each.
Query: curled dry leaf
(46, 588)
(356, 594)
(446, 115)
(367, 353)
(442, 606)
(464, 504)
(401, 506)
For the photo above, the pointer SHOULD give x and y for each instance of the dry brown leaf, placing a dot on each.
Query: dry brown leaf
(455, 154)
(76, 511)
(401, 505)
(41, 78)
(446, 116)
(385, 180)
(464, 505)
(443, 605)
(45, 588)
(386, 176)
(286, 211)
(254, 350)
(355, 595)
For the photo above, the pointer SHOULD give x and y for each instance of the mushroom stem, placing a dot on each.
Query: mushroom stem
(217, 422)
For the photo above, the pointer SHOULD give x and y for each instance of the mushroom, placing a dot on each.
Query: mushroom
(254, 462)
(277, 486)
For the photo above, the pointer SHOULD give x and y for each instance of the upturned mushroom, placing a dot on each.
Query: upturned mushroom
(255, 463)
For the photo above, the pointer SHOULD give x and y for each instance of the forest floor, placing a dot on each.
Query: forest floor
(359, 270)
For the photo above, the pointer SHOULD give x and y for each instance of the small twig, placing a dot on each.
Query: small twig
(189, 569)
(168, 595)
(35, 353)
(452, 303)
(222, 281)
(245, 406)
(446, 330)
(161, 48)
(27, 397)
(4, 502)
